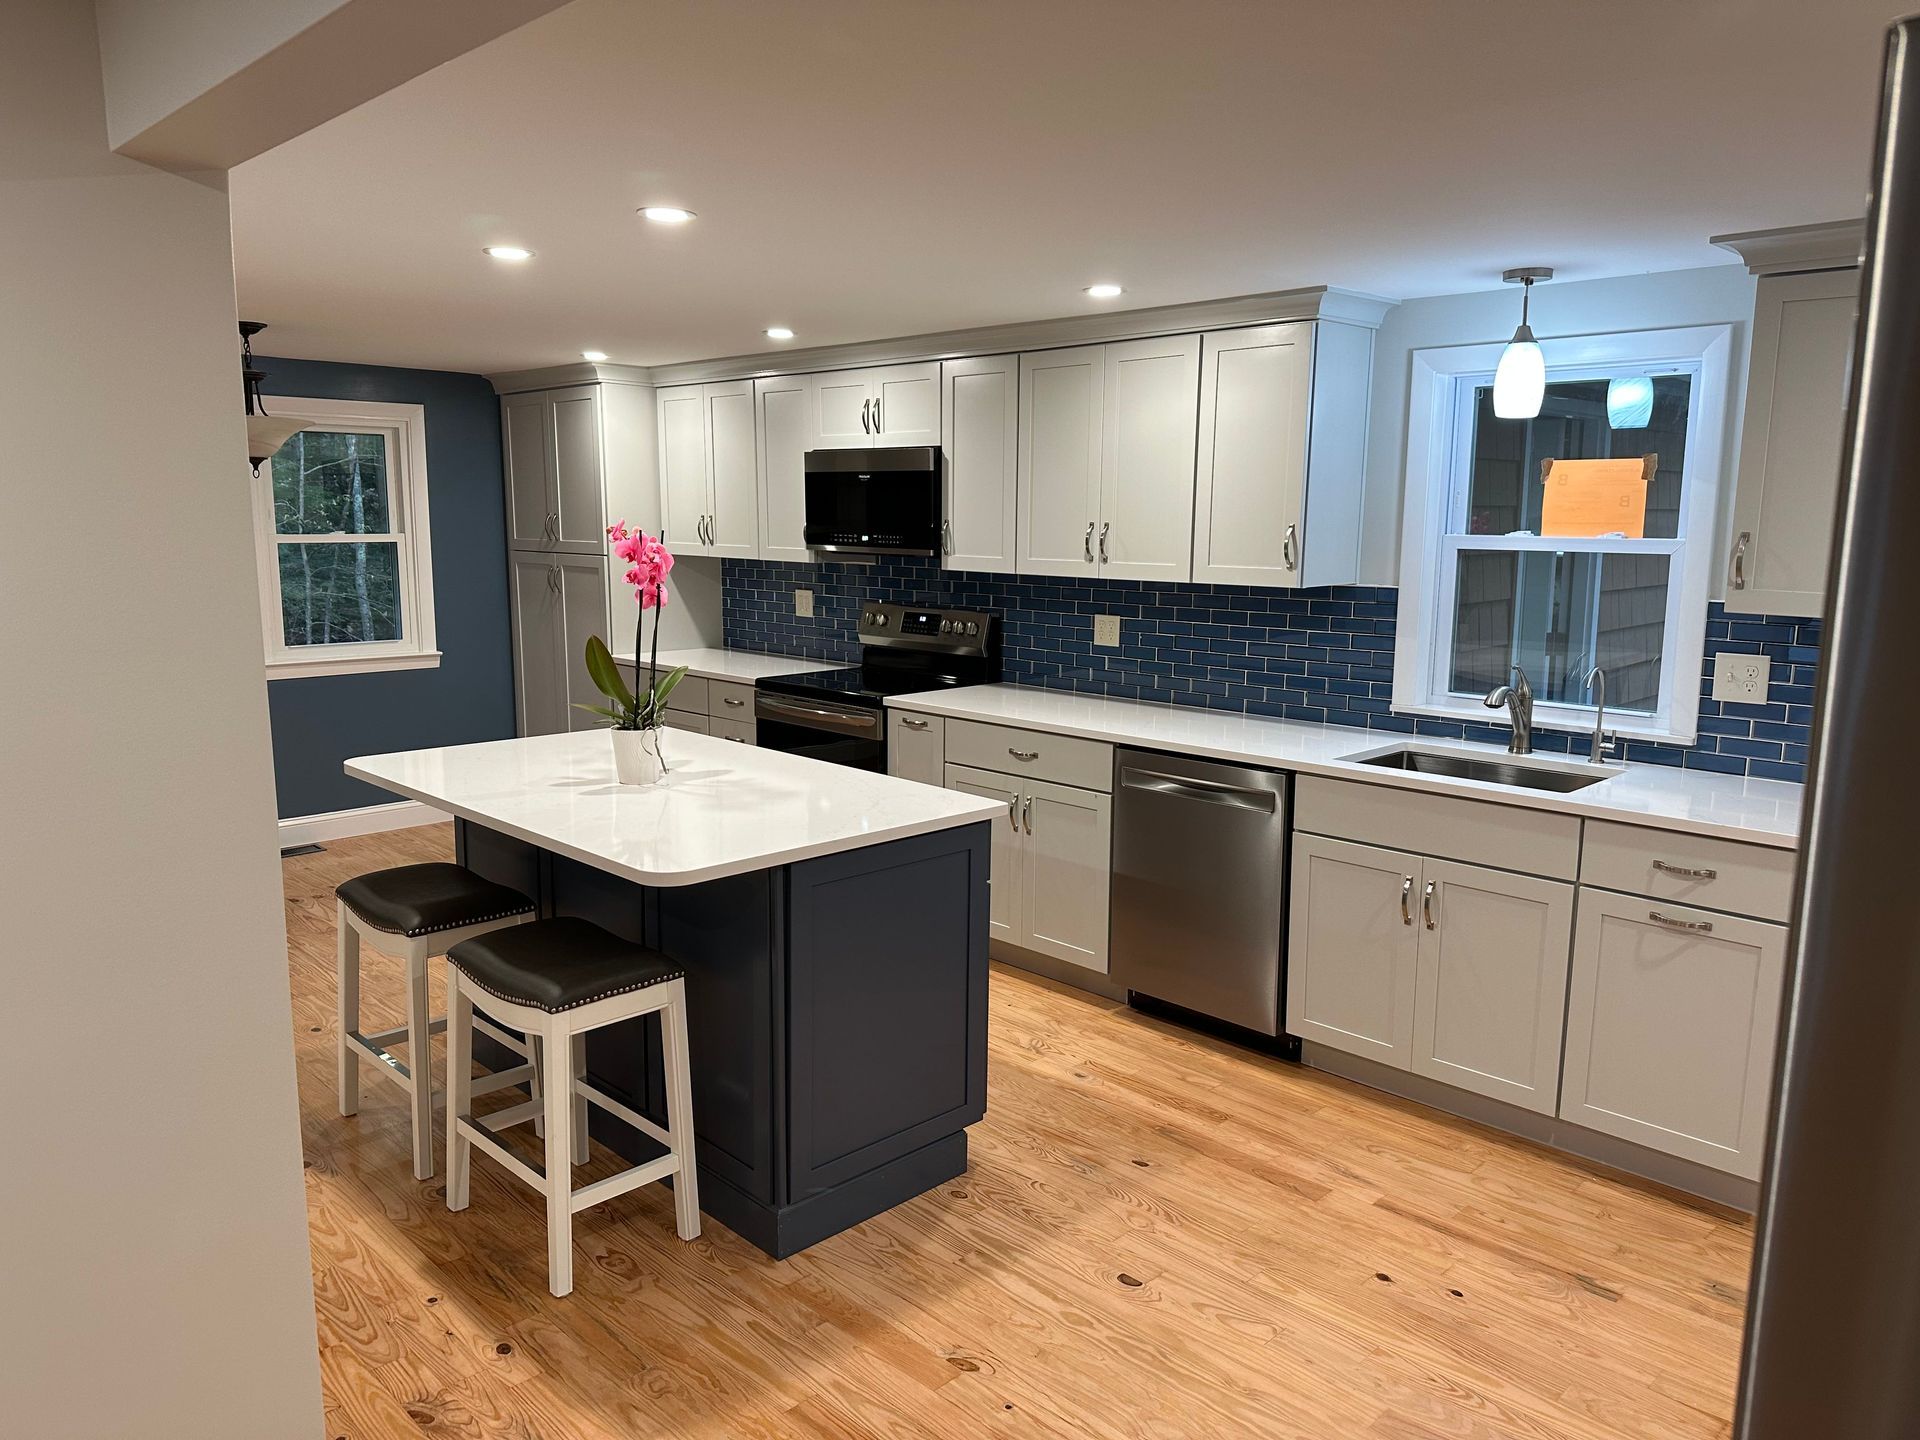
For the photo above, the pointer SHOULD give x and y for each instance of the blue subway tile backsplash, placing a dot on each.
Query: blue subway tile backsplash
(1323, 655)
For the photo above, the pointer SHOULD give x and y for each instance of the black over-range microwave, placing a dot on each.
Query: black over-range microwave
(884, 501)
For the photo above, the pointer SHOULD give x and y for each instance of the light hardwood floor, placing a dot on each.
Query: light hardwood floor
(1160, 1235)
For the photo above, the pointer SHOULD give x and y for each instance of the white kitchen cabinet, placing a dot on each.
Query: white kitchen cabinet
(1491, 981)
(1006, 863)
(844, 409)
(784, 409)
(1106, 470)
(556, 498)
(558, 601)
(1671, 1020)
(709, 469)
(1353, 948)
(1790, 439)
(916, 747)
(1282, 454)
(890, 405)
(980, 462)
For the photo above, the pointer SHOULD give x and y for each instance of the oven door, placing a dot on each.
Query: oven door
(843, 734)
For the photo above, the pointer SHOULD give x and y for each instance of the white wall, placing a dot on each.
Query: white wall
(1720, 294)
(153, 1244)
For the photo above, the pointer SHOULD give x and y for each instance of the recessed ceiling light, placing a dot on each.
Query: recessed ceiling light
(594, 355)
(1104, 291)
(665, 214)
(509, 252)
(779, 332)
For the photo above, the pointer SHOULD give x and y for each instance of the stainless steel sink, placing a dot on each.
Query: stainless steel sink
(1494, 772)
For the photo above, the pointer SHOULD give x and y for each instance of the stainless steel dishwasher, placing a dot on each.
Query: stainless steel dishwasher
(1200, 885)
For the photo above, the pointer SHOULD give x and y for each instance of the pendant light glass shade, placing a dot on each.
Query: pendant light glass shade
(1630, 402)
(266, 434)
(1520, 382)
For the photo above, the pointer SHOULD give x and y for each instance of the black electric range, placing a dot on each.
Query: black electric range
(840, 715)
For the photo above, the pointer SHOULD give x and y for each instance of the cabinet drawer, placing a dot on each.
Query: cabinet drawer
(729, 701)
(687, 720)
(1506, 837)
(1063, 759)
(725, 727)
(1691, 869)
(689, 695)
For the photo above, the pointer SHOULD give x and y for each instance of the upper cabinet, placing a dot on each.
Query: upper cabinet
(1107, 459)
(1784, 502)
(1282, 454)
(980, 460)
(892, 405)
(786, 420)
(555, 452)
(709, 469)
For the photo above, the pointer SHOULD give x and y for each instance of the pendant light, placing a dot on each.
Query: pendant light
(1520, 382)
(1630, 402)
(265, 434)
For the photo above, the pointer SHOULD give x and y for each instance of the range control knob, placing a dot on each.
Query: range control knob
(973, 627)
(945, 626)
(880, 619)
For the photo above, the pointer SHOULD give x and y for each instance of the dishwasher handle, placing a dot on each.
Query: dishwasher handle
(1189, 787)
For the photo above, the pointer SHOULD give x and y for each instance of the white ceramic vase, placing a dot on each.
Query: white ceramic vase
(636, 756)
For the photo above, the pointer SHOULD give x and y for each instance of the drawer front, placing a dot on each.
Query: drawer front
(725, 727)
(727, 700)
(689, 695)
(1476, 832)
(1690, 869)
(1063, 759)
(686, 720)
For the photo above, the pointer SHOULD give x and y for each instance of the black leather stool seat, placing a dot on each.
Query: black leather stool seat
(415, 900)
(559, 964)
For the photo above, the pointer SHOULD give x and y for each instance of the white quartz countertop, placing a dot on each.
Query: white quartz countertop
(741, 666)
(1765, 812)
(723, 809)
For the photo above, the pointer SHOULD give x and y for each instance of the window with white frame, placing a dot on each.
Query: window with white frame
(1483, 589)
(340, 518)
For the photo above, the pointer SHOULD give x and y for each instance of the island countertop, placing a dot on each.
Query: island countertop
(723, 809)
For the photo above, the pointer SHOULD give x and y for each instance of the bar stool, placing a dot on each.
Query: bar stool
(556, 980)
(414, 912)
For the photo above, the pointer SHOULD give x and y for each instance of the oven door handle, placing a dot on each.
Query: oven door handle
(818, 717)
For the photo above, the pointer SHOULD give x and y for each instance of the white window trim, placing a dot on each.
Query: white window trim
(1434, 441)
(416, 649)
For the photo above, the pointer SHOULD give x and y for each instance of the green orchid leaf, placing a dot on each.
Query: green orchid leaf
(605, 674)
(601, 710)
(665, 687)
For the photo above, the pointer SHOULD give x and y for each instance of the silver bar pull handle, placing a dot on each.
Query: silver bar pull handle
(734, 700)
(865, 429)
(1087, 542)
(1685, 872)
(1704, 927)
(1737, 566)
(912, 724)
(1013, 811)
(1406, 896)
(1289, 552)
(1026, 813)
(1023, 754)
(1426, 905)
(1192, 787)
(1103, 541)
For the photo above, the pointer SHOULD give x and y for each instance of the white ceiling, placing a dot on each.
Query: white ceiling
(872, 168)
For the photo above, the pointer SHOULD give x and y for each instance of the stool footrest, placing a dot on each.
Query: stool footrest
(498, 1120)
(536, 1176)
(657, 1169)
(390, 1065)
(502, 1080)
(596, 1096)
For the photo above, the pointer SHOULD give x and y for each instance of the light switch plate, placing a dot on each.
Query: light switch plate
(803, 603)
(1106, 630)
(1741, 678)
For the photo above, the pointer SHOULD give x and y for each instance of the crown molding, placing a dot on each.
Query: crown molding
(579, 372)
(1831, 245)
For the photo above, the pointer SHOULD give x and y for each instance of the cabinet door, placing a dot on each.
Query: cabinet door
(1670, 1031)
(579, 470)
(1147, 457)
(683, 469)
(1250, 487)
(906, 404)
(980, 430)
(733, 507)
(687, 720)
(916, 747)
(843, 410)
(539, 687)
(784, 408)
(1061, 417)
(582, 581)
(1491, 989)
(526, 434)
(1068, 835)
(1009, 853)
(1783, 506)
(1353, 948)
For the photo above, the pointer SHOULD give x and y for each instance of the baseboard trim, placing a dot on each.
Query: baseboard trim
(364, 820)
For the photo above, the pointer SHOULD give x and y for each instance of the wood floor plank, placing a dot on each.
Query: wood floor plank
(1160, 1235)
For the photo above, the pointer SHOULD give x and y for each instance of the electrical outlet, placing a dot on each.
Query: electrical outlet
(1741, 678)
(803, 604)
(1106, 630)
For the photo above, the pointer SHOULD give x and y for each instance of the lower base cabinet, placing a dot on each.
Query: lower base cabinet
(1671, 1022)
(1353, 948)
(1052, 864)
(687, 720)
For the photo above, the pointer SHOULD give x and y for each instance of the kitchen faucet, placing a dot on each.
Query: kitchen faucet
(1597, 687)
(1518, 698)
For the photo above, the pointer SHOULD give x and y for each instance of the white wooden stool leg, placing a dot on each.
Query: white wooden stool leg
(533, 1059)
(578, 1046)
(420, 1064)
(347, 1007)
(459, 1090)
(557, 1091)
(686, 1183)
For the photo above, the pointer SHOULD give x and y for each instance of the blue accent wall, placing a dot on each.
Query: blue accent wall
(1321, 655)
(321, 721)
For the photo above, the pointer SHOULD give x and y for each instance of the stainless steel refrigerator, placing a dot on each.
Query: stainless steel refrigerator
(1833, 1324)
